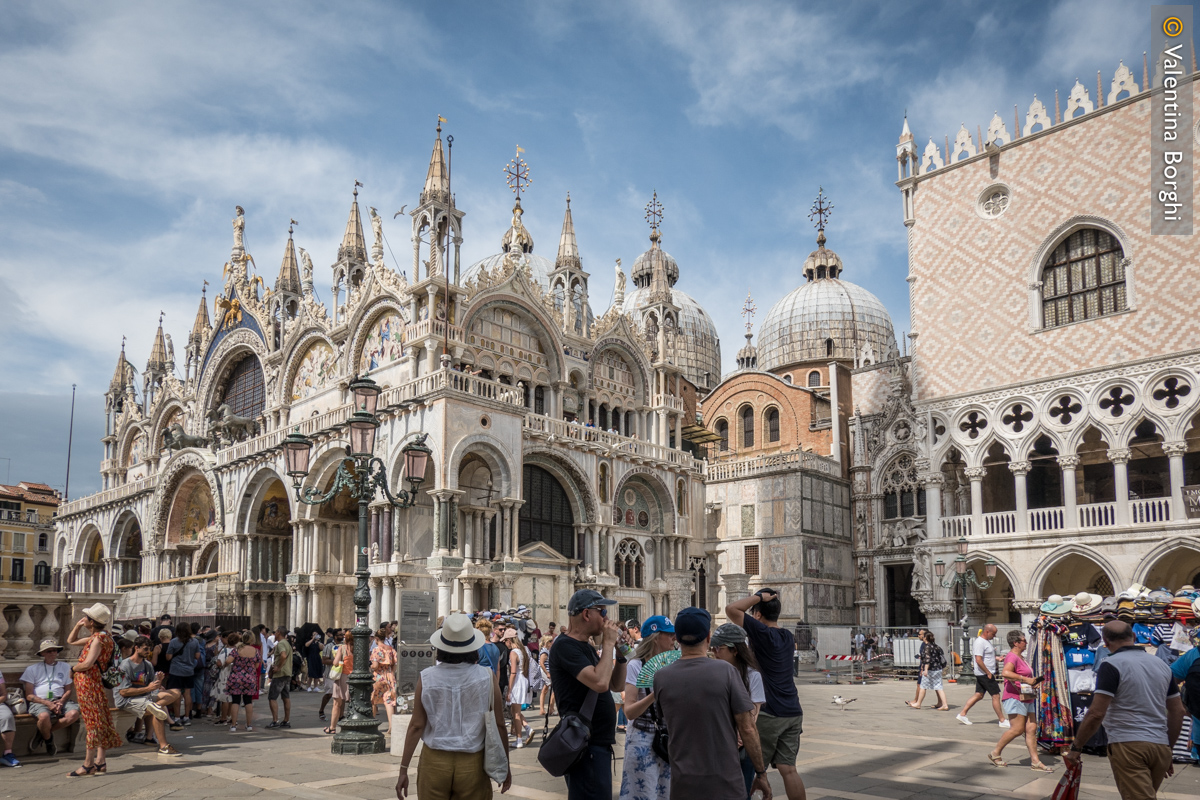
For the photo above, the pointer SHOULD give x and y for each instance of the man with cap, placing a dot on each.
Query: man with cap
(781, 720)
(576, 671)
(705, 706)
(48, 688)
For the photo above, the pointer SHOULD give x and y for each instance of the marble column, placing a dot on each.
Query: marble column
(374, 613)
(933, 504)
(1020, 469)
(1120, 460)
(1068, 464)
(1175, 452)
(737, 586)
(387, 599)
(471, 517)
(373, 535)
(975, 475)
(506, 591)
(385, 533)
(485, 528)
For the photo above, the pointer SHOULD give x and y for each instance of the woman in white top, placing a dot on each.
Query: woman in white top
(451, 699)
(644, 774)
(730, 645)
(518, 685)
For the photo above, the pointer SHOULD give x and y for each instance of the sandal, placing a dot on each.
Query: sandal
(328, 730)
(102, 769)
(996, 761)
(1040, 767)
(86, 770)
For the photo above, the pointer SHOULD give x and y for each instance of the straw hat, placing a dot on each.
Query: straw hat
(48, 644)
(1086, 603)
(99, 613)
(457, 635)
(1055, 606)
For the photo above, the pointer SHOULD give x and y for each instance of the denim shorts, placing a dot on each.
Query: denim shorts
(1014, 706)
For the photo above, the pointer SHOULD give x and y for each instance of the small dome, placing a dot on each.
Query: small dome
(799, 327)
(643, 267)
(699, 351)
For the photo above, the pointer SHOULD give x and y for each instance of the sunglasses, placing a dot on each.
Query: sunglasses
(602, 609)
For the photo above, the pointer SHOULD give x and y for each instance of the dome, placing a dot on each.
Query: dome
(643, 267)
(539, 267)
(699, 352)
(798, 328)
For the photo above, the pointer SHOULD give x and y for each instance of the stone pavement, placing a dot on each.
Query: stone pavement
(875, 748)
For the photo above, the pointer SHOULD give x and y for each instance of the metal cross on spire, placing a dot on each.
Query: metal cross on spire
(821, 211)
(748, 311)
(518, 173)
(654, 212)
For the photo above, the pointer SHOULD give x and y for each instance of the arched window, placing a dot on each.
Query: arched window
(41, 574)
(43, 543)
(1084, 278)
(245, 392)
(814, 378)
(829, 347)
(772, 424)
(747, 427)
(546, 515)
(630, 564)
(903, 495)
(723, 432)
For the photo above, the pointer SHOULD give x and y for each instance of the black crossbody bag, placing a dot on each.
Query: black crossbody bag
(565, 745)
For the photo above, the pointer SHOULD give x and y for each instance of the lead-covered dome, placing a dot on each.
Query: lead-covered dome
(825, 319)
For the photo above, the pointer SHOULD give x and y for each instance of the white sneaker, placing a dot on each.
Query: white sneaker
(157, 711)
(1004, 723)
(963, 719)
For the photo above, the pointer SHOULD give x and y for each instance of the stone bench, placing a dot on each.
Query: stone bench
(65, 739)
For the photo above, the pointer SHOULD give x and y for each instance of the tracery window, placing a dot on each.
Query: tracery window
(772, 424)
(723, 432)
(245, 391)
(903, 495)
(747, 427)
(630, 564)
(1084, 278)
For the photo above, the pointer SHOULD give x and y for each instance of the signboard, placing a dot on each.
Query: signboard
(413, 650)
(1191, 501)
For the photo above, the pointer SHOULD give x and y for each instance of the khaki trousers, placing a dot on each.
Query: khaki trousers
(1139, 768)
(446, 775)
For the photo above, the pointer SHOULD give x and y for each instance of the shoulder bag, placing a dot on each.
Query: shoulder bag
(659, 744)
(495, 754)
(564, 745)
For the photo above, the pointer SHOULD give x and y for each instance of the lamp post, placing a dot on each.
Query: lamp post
(362, 475)
(960, 579)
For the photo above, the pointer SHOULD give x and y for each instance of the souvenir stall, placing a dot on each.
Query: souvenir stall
(1067, 648)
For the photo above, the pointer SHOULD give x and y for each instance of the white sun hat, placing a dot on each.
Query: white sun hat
(457, 635)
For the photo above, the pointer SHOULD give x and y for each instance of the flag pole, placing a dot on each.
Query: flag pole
(70, 436)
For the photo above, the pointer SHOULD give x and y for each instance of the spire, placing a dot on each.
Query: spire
(158, 351)
(568, 248)
(201, 326)
(288, 281)
(354, 244)
(660, 282)
(906, 134)
(747, 357)
(821, 263)
(122, 375)
(437, 182)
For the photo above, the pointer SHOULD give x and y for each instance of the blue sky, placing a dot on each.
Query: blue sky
(129, 131)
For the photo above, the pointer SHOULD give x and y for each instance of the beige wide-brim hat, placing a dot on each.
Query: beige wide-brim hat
(99, 613)
(457, 635)
(1086, 603)
(48, 644)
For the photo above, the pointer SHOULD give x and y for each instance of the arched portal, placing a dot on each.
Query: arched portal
(546, 515)
(128, 546)
(193, 513)
(1177, 567)
(1076, 573)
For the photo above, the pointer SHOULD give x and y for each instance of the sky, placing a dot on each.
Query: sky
(129, 131)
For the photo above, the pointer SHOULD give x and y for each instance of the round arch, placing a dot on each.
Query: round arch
(169, 412)
(89, 546)
(124, 525)
(264, 507)
(631, 356)
(298, 349)
(364, 323)
(491, 451)
(177, 469)
(657, 490)
(548, 333)
(1073, 568)
(322, 468)
(576, 484)
(232, 349)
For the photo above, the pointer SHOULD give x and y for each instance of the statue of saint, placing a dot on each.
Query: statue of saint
(239, 226)
(620, 277)
(170, 350)
(377, 227)
(306, 259)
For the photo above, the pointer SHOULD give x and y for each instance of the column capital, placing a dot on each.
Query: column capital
(737, 585)
(1020, 467)
(933, 479)
(1120, 455)
(1175, 449)
(975, 473)
(937, 609)
(446, 494)
(1068, 461)
(1027, 606)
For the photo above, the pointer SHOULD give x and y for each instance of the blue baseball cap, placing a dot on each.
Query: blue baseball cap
(585, 599)
(692, 625)
(657, 624)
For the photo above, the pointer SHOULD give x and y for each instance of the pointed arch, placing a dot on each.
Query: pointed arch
(1172, 562)
(1047, 565)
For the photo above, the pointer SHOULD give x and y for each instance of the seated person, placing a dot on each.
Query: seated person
(142, 694)
(48, 688)
(8, 729)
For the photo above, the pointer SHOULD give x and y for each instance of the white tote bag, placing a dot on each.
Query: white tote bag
(495, 754)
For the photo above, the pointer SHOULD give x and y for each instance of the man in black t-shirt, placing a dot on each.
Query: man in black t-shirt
(575, 672)
(781, 720)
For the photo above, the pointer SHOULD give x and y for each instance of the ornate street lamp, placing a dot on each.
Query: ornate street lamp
(362, 475)
(959, 580)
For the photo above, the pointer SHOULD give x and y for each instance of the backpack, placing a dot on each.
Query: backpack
(297, 664)
(533, 672)
(1191, 689)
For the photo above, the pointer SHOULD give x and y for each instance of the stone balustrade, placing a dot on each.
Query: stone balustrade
(28, 616)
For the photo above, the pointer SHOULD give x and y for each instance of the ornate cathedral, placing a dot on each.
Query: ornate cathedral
(1041, 420)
